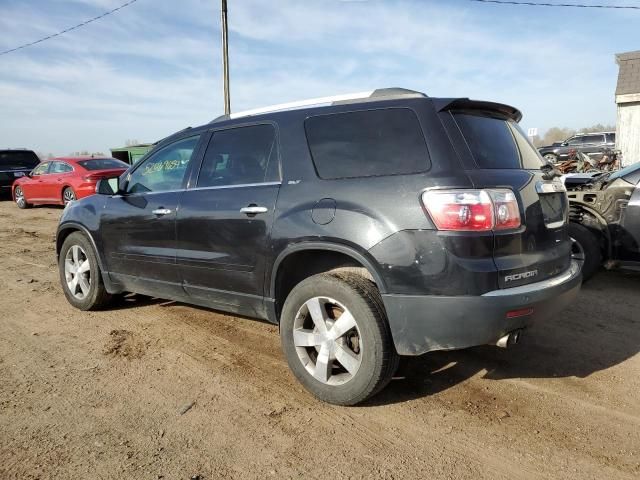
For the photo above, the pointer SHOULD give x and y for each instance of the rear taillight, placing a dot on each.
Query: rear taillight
(472, 210)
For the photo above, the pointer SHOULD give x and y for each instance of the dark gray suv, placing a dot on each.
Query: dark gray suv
(368, 227)
(592, 144)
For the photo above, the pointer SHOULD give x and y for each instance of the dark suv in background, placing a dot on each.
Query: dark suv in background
(592, 144)
(15, 164)
(367, 226)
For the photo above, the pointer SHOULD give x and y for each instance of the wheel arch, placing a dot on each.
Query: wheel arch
(591, 219)
(318, 257)
(67, 229)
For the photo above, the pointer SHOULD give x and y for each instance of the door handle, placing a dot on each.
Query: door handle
(254, 209)
(161, 211)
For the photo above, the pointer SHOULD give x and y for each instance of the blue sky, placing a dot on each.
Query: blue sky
(154, 67)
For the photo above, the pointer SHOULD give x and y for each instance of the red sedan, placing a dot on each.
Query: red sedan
(62, 180)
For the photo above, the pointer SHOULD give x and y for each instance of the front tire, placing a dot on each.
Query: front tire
(586, 249)
(21, 201)
(336, 339)
(80, 275)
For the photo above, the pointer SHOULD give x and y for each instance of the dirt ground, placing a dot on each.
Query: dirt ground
(154, 389)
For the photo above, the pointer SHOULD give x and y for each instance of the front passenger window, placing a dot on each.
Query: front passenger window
(40, 169)
(165, 169)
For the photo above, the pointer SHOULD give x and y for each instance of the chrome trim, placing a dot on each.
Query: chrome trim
(161, 211)
(550, 187)
(240, 185)
(322, 101)
(569, 274)
(557, 224)
(254, 210)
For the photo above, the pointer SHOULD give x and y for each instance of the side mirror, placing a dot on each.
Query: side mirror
(107, 186)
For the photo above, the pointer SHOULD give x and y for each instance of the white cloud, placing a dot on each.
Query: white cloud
(154, 67)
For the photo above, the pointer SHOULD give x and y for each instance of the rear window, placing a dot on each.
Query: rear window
(497, 143)
(367, 143)
(102, 164)
(16, 160)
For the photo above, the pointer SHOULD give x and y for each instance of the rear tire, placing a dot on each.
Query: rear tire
(586, 248)
(21, 201)
(80, 275)
(68, 195)
(347, 364)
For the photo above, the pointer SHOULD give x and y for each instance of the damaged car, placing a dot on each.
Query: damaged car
(605, 218)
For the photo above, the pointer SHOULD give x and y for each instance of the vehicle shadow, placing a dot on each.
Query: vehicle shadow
(600, 330)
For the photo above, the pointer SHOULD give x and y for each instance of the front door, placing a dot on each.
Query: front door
(224, 223)
(35, 190)
(138, 225)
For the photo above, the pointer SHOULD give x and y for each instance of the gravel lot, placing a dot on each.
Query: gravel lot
(155, 389)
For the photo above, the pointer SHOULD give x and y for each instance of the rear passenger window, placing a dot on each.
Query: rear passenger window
(367, 143)
(243, 155)
(497, 143)
(60, 167)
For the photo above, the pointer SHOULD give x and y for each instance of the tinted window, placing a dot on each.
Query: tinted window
(366, 144)
(165, 169)
(575, 141)
(593, 139)
(41, 169)
(611, 137)
(497, 143)
(14, 160)
(60, 167)
(102, 164)
(238, 156)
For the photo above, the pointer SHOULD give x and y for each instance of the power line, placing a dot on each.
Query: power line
(66, 30)
(571, 5)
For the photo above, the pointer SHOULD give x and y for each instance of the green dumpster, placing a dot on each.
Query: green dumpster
(132, 153)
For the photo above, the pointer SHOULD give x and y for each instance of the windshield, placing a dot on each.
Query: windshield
(102, 164)
(497, 143)
(18, 160)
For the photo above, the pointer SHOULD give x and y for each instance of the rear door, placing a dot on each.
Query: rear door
(138, 226)
(593, 145)
(59, 174)
(498, 155)
(224, 222)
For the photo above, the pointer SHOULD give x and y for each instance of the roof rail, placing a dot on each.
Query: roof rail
(324, 102)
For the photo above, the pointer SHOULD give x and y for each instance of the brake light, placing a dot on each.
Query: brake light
(472, 210)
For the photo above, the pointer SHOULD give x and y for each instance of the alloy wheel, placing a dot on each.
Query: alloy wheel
(577, 251)
(19, 194)
(68, 196)
(327, 340)
(77, 272)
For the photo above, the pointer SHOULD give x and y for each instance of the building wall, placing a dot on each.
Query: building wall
(628, 132)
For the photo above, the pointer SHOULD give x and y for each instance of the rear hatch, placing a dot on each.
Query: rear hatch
(497, 155)
(16, 163)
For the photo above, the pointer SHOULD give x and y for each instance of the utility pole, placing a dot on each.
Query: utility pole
(225, 59)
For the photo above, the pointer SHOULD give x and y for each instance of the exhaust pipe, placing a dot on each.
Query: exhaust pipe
(510, 339)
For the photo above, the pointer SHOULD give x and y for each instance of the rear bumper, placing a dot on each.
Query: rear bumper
(423, 323)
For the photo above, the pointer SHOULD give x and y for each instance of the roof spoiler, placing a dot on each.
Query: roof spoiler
(443, 104)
